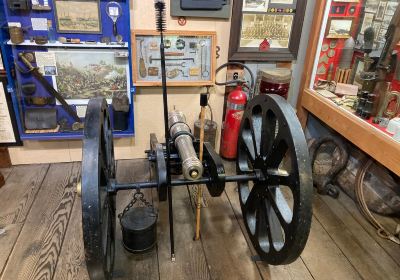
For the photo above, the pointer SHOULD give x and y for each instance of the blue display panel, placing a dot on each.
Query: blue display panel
(107, 59)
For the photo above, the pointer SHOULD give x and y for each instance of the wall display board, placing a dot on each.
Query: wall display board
(8, 127)
(265, 30)
(190, 58)
(63, 53)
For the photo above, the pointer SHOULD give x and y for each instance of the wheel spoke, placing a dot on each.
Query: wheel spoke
(255, 128)
(278, 177)
(249, 144)
(252, 199)
(268, 132)
(280, 207)
(277, 153)
(274, 227)
(261, 227)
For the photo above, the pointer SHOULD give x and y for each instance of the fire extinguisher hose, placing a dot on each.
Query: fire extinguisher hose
(359, 190)
(234, 82)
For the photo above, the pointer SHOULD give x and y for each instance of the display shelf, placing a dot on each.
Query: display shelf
(66, 45)
(368, 138)
(374, 142)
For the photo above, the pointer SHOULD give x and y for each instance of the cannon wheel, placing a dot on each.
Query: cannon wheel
(98, 205)
(277, 208)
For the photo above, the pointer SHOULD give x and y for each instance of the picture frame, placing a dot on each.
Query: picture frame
(283, 46)
(391, 8)
(371, 6)
(381, 35)
(376, 26)
(192, 52)
(367, 22)
(83, 74)
(338, 9)
(339, 27)
(380, 12)
(358, 67)
(70, 18)
(255, 5)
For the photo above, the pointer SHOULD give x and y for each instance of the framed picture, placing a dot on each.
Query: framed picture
(371, 6)
(391, 8)
(358, 67)
(386, 21)
(266, 36)
(255, 5)
(367, 22)
(376, 26)
(84, 74)
(78, 16)
(380, 12)
(339, 27)
(381, 35)
(338, 9)
(190, 58)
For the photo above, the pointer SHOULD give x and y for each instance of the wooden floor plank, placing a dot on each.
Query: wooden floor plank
(38, 247)
(5, 172)
(323, 258)
(364, 237)
(16, 198)
(127, 265)
(369, 261)
(226, 249)
(391, 248)
(71, 263)
(296, 270)
(190, 259)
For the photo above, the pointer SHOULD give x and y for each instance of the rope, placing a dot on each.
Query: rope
(359, 190)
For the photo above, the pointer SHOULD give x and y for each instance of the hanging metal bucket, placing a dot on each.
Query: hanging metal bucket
(139, 229)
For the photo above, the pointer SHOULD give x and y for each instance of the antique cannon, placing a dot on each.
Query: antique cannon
(274, 179)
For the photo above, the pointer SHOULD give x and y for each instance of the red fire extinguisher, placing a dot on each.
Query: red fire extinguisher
(235, 106)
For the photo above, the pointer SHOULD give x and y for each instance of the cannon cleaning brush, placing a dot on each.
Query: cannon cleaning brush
(160, 15)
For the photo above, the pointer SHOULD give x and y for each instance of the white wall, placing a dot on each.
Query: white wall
(147, 102)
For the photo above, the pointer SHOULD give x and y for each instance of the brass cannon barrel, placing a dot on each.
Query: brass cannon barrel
(192, 168)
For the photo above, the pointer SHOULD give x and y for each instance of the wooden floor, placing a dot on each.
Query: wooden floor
(41, 235)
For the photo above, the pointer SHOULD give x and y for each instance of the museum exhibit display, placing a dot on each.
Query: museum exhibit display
(63, 53)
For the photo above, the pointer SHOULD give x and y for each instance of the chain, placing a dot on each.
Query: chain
(137, 196)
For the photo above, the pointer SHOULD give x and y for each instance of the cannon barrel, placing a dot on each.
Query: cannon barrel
(192, 168)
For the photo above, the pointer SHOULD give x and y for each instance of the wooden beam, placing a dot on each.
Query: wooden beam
(312, 48)
(5, 160)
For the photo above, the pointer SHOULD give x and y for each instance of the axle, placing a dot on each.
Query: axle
(181, 182)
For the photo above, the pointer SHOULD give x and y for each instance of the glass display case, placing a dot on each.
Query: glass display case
(353, 74)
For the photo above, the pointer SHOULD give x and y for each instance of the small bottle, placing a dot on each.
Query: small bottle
(51, 32)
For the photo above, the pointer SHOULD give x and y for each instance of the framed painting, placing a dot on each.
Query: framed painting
(77, 16)
(339, 27)
(272, 35)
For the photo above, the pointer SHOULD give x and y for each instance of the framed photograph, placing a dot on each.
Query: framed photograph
(358, 67)
(386, 21)
(376, 26)
(257, 27)
(84, 74)
(338, 9)
(255, 5)
(380, 12)
(367, 22)
(339, 27)
(190, 58)
(266, 36)
(381, 35)
(77, 16)
(371, 6)
(391, 8)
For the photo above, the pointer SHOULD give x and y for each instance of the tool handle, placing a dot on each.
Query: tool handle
(174, 54)
(115, 30)
(25, 61)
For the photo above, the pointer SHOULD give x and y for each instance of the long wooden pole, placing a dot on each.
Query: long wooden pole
(199, 188)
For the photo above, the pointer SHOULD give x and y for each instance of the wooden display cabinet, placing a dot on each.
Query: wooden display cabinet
(379, 145)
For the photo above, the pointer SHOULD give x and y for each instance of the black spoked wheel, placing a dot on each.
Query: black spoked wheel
(98, 205)
(277, 209)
